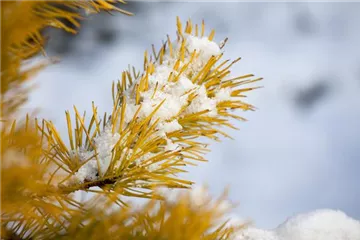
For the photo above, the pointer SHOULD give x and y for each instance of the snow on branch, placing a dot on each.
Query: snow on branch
(185, 91)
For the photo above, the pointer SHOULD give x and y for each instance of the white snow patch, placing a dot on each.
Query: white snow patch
(324, 224)
(171, 146)
(224, 94)
(168, 127)
(256, 234)
(204, 46)
(81, 154)
(319, 225)
(201, 103)
(104, 143)
(176, 93)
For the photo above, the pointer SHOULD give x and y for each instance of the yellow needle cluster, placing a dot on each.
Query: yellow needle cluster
(184, 92)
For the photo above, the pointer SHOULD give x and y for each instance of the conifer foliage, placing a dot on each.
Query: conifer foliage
(160, 116)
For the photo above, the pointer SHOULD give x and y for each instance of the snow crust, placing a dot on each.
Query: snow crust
(322, 224)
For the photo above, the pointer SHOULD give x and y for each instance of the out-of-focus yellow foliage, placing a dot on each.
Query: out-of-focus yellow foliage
(30, 206)
(22, 23)
(170, 219)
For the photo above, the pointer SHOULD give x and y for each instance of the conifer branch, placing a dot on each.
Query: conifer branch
(185, 92)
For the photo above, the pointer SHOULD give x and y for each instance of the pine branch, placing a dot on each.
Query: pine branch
(185, 92)
(163, 144)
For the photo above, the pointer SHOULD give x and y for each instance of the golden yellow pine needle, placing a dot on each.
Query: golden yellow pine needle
(68, 121)
(202, 28)
(211, 35)
(88, 136)
(179, 27)
(170, 47)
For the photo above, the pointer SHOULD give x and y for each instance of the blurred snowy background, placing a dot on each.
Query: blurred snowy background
(298, 152)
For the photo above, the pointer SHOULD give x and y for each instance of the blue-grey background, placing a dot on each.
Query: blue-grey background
(298, 152)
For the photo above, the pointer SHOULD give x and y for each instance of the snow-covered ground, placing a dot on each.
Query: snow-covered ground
(316, 225)
(299, 151)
